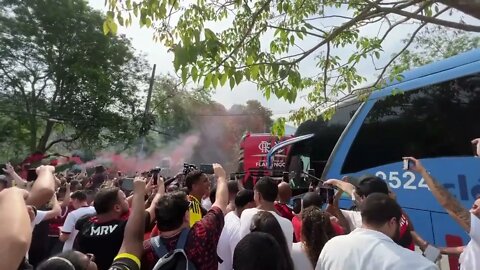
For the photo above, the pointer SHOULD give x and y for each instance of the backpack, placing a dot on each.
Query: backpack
(175, 259)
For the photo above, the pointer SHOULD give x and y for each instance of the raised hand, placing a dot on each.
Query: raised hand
(219, 171)
(416, 165)
(9, 169)
(139, 184)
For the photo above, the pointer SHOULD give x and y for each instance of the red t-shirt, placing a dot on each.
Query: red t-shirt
(297, 228)
(405, 240)
(284, 210)
(55, 224)
(201, 243)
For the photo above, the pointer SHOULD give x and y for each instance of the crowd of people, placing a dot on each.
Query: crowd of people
(80, 222)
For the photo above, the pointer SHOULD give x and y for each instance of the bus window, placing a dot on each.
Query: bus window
(315, 152)
(438, 120)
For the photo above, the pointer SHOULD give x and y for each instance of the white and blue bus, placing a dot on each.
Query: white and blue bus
(433, 113)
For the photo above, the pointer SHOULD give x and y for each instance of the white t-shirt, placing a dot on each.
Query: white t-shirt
(206, 204)
(226, 242)
(470, 258)
(300, 258)
(38, 218)
(354, 219)
(369, 249)
(246, 221)
(69, 225)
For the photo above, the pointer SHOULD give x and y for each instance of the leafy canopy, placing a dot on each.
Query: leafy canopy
(62, 79)
(266, 42)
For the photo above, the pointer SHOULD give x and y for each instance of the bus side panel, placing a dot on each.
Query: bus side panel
(444, 225)
(338, 156)
(459, 175)
(423, 228)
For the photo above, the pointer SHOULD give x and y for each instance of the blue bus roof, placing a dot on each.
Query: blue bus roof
(436, 67)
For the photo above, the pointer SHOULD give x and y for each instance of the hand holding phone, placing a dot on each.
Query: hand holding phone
(407, 164)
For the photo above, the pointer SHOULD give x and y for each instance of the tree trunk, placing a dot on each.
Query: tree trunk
(33, 122)
(42, 143)
(33, 133)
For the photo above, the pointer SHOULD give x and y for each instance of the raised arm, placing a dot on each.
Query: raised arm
(15, 228)
(19, 181)
(56, 209)
(453, 207)
(346, 187)
(334, 209)
(158, 195)
(132, 245)
(43, 188)
(66, 199)
(221, 197)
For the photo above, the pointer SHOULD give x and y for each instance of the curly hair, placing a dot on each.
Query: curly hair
(317, 229)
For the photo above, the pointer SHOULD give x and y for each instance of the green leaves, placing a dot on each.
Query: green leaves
(207, 82)
(306, 52)
(100, 72)
(109, 26)
(278, 127)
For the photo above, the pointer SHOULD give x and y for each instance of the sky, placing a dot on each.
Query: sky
(156, 53)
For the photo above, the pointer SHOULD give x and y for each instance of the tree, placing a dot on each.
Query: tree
(62, 79)
(433, 44)
(174, 106)
(252, 117)
(246, 51)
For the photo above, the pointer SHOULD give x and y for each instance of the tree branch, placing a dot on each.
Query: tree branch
(329, 17)
(412, 38)
(294, 30)
(365, 13)
(325, 71)
(245, 35)
(471, 8)
(72, 139)
(432, 20)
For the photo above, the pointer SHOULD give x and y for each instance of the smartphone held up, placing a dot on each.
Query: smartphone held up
(207, 168)
(408, 164)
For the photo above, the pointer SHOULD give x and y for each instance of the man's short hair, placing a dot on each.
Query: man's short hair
(243, 197)
(79, 195)
(106, 199)
(267, 188)
(371, 184)
(192, 178)
(170, 211)
(378, 208)
(232, 187)
(75, 184)
(312, 199)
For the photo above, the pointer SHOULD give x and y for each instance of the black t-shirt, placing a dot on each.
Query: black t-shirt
(102, 239)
